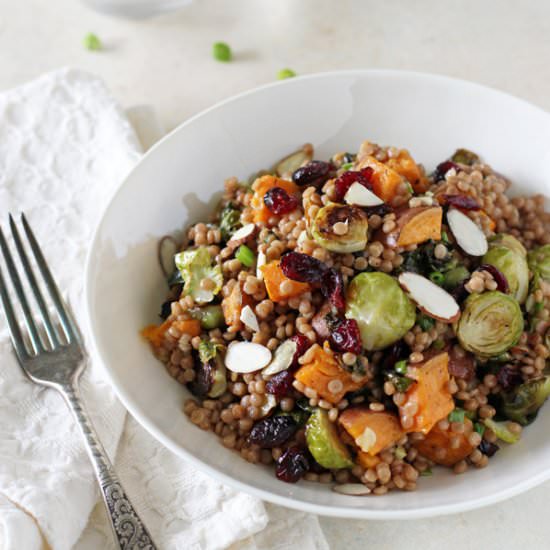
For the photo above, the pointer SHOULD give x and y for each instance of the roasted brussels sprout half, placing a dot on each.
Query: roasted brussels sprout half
(539, 261)
(501, 430)
(230, 221)
(324, 443)
(464, 156)
(490, 324)
(508, 241)
(340, 228)
(382, 310)
(513, 266)
(523, 403)
(292, 162)
(195, 266)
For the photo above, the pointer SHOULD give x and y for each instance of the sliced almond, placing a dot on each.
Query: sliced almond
(282, 358)
(248, 317)
(467, 233)
(367, 440)
(351, 489)
(269, 405)
(242, 235)
(430, 298)
(245, 357)
(261, 260)
(361, 196)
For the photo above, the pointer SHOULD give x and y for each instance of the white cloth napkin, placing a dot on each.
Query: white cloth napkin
(64, 147)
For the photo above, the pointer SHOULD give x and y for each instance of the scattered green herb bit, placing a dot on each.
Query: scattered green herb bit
(285, 73)
(457, 415)
(479, 428)
(437, 277)
(304, 405)
(401, 367)
(445, 237)
(92, 42)
(425, 323)
(470, 414)
(221, 52)
(409, 188)
(438, 344)
(427, 472)
(455, 276)
(347, 166)
(208, 350)
(400, 453)
(539, 306)
(245, 255)
(402, 383)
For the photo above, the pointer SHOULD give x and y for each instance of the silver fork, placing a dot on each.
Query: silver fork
(55, 358)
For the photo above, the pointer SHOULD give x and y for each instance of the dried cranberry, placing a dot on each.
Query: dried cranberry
(332, 287)
(487, 448)
(204, 374)
(302, 345)
(279, 201)
(301, 267)
(292, 465)
(273, 431)
(443, 168)
(347, 179)
(280, 385)
(462, 202)
(498, 276)
(346, 336)
(461, 365)
(508, 377)
(314, 173)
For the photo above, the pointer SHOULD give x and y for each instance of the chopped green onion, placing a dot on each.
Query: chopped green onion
(221, 52)
(425, 323)
(479, 428)
(92, 42)
(539, 306)
(445, 237)
(437, 277)
(457, 415)
(438, 344)
(400, 453)
(285, 73)
(409, 188)
(401, 367)
(245, 255)
(347, 166)
(427, 472)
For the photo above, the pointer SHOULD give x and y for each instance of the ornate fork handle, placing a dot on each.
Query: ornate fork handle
(128, 528)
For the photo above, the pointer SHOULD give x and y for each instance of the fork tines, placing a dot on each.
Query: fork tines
(52, 338)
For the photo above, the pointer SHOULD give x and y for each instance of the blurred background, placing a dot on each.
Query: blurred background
(167, 61)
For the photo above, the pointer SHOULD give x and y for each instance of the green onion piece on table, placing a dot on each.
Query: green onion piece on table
(221, 52)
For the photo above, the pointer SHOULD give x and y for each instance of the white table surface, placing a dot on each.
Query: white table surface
(166, 62)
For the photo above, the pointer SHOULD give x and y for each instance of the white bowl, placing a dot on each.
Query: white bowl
(174, 184)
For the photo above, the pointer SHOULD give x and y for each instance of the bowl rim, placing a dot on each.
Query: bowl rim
(135, 410)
